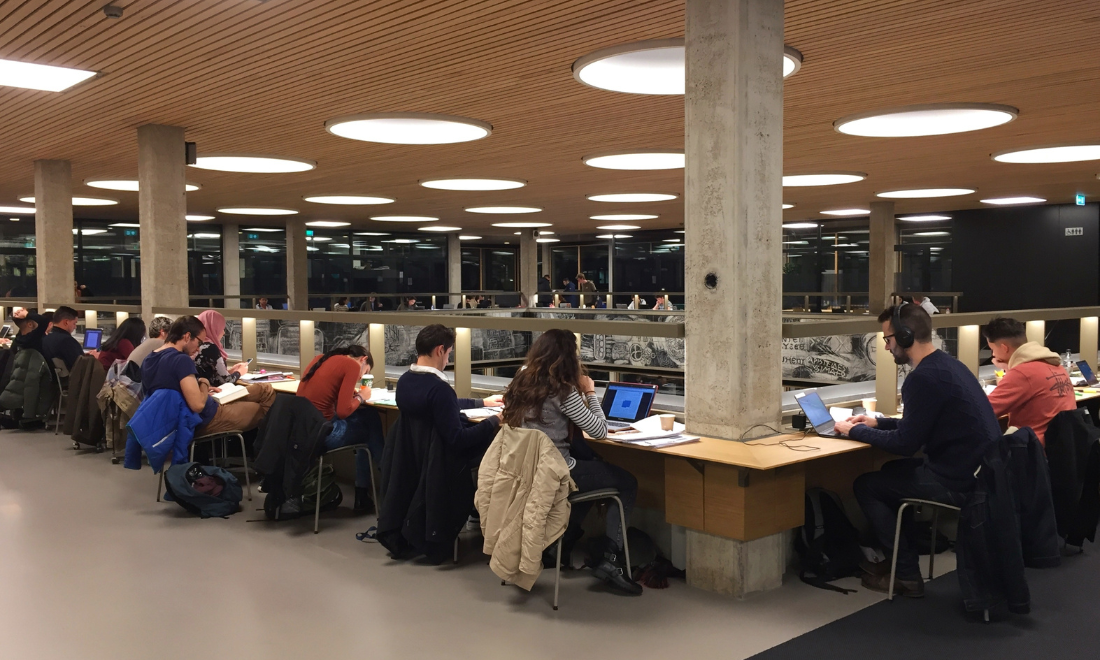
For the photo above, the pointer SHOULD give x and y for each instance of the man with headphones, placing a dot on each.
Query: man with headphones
(947, 417)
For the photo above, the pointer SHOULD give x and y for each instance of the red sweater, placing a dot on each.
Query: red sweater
(332, 389)
(1032, 393)
(119, 352)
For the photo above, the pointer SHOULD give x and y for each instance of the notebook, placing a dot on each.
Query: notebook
(229, 392)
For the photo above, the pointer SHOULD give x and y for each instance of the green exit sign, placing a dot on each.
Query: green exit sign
(1080, 200)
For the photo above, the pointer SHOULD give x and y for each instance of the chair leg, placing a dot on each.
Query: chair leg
(456, 550)
(373, 483)
(317, 508)
(626, 544)
(894, 559)
(557, 572)
(244, 459)
(160, 482)
(932, 547)
(57, 422)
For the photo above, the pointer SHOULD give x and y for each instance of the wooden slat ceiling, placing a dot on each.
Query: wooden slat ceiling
(262, 77)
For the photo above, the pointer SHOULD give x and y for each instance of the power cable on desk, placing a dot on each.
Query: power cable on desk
(781, 443)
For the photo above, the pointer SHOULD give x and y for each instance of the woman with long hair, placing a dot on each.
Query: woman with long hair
(122, 342)
(210, 360)
(332, 384)
(553, 394)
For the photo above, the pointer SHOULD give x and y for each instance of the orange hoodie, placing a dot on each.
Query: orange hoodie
(1034, 389)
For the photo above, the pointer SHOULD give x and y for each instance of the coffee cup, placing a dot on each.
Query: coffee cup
(368, 381)
(667, 422)
(869, 405)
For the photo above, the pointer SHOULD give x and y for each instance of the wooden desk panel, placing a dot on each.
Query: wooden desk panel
(760, 454)
(648, 468)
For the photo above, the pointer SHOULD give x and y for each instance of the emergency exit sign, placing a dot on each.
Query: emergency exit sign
(1080, 200)
(1075, 231)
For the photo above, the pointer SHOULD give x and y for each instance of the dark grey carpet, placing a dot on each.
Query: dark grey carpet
(1064, 623)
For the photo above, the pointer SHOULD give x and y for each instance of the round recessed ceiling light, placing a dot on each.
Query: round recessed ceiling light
(928, 217)
(459, 183)
(253, 163)
(638, 160)
(408, 128)
(254, 210)
(503, 210)
(521, 225)
(614, 236)
(924, 193)
(1006, 201)
(264, 230)
(327, 223)
(197, 218)
(18, 210)
(931, 119)
(649, 67)
(80, 201)
(440, 228)
(932, 233)
(371, 233)
(618, 227)
(128, 185)
(788, 206)
(800, 225)
(547, 240)
(403, 218)
(349, 200)
(1053, 154)
(616, 217)
(846, 212)
(469, 238)
(632, 197)
(822, 179)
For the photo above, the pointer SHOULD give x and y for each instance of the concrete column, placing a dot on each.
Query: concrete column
(53, 228)
(736, 568)
(162, 206)
(1088, 347)
(528, 264)
(883, 260)
(231, 264)
(297, 265)
(1036, 331)
(454, 269)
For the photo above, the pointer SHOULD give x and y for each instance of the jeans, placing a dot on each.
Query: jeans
(880, 494)
(594, 475)
(363, 426)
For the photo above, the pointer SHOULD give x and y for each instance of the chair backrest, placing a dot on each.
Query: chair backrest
(60, 368)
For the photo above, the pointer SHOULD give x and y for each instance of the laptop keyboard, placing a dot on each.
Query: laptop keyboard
(617, 425)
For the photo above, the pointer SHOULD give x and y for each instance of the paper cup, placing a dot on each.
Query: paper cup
(667, 421)
(368, 381)
(869, 405)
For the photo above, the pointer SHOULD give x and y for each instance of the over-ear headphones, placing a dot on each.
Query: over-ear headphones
(903, 335)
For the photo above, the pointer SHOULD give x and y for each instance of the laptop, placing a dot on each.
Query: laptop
(1087, 374)
(625, 403)
(5, 331)
(92, 338)
(818, 414)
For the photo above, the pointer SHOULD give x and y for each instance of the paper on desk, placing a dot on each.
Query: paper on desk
(480, 413)
(382, 396)
(648, 429)
(659, 443)
(840, 414)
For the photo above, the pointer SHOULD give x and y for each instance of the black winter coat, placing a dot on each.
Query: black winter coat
(1035, 508)
(291, 434)
(1073, 451)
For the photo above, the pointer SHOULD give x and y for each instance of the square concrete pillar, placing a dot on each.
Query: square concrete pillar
(883, 261)
(528, 264)
(733, 182)
(297, 265)
(454, 269)
(231, 264)
(162, 207)
(736, 568)
(53, 228)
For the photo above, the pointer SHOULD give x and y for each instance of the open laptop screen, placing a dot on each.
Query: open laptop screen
(92, 338)
(1086, 373)
(815, 409)
(627, 402)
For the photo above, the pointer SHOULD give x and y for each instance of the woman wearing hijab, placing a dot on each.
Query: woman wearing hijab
(210, 360)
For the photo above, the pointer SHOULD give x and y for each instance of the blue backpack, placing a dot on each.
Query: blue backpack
(180, 486)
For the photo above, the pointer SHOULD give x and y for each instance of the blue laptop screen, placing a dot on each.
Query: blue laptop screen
(627, 403)
(815, 409)
(92, 338)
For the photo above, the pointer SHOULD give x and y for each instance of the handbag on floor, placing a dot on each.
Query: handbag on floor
(828, 542)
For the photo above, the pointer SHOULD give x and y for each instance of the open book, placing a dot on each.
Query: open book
(230, 392)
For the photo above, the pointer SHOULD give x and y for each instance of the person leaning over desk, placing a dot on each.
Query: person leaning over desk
(947, 416)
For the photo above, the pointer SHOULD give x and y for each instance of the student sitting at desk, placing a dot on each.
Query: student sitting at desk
(210, 360)
(1035, 386)
(331, 383)
(552, 393)
(158, 330)
(59, 343)
(32, 329)
(947, 416)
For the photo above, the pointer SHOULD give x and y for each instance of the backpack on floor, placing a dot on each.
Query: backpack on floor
(828, 542)
(331, 495)
(182, 481)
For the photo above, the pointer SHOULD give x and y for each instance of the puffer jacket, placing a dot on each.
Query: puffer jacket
(523, 488)
(31, 388)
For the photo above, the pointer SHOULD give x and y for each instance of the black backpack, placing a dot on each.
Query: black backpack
(828, 543)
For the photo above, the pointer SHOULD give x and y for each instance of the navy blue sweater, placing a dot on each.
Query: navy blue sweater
(946, 414)
(426, 395)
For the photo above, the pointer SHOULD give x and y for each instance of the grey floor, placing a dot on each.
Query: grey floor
(91, 566)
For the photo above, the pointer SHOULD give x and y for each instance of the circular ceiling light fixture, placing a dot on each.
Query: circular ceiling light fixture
(403, 218)
(1007, 201)
(264, 230)
(618, 227)
(469, 238)
(929, 119)
(408, 128)
(251, 163)
(632, 197)
(800, 225)
(846, 212)
(821, 179)
(503, 210)
(521, 225)
(371, 233)
(440, 228)
(194, 217)
(466, 184)
(349, 200)
(17, 210)
(547, 240)
(128, 185)
(932, 233)
(80, 201)
(617, 217)
(644, 159)
(615, 236)
(928, 217)
(654, 66)
(788, 206)
(1052, 154)
(327, 223)
(924, 193)
(255, 210)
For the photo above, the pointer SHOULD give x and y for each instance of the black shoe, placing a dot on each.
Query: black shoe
(613, 576)
(363, 501)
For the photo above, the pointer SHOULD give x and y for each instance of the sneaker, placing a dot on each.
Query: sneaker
(613, 576)
(473, 523)
(907, 588)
